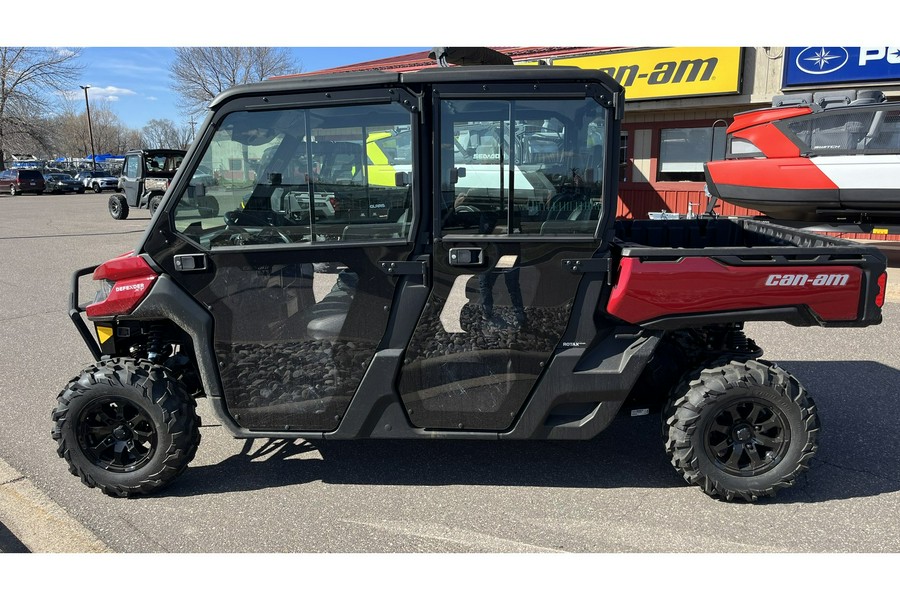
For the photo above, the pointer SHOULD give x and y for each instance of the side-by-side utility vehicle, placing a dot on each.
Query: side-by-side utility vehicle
(147, 174)
(489, 295)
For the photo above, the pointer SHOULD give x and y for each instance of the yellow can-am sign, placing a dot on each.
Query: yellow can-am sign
(668, 72)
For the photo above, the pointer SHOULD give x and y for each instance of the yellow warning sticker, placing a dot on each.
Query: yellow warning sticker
(878, 231)
(104, 333)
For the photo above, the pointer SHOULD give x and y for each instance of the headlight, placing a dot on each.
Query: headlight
(103, 290)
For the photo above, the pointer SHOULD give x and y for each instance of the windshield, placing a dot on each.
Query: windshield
(547, 156)
(302, 176)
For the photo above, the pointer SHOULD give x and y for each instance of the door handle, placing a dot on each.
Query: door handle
(190, 262)
(466, 256)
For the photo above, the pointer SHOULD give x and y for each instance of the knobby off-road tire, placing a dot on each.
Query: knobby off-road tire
(153, 204)
(208, 207)
(741, 430)
(118, 207)
(126, 426)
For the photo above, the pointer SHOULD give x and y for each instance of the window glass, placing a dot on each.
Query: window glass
(860, 131)
(684, 150)
(334, 174)
(131, 166)
(513, 167)
(623, 157)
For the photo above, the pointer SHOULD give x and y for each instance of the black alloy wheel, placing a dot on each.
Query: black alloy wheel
(747, 437)
(96, 187)
(116, 434)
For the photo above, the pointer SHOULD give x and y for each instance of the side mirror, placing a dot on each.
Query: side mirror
(401, 179)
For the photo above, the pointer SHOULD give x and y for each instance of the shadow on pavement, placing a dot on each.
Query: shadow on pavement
(9, 543)
(857, 457)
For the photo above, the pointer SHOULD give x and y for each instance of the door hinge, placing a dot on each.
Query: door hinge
(587, 265)
(406, 267)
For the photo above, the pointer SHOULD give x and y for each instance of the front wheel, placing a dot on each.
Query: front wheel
(208, 207)
(126, 426)
(118, 207)
(12, 190)
(96, 188)
(742, 430)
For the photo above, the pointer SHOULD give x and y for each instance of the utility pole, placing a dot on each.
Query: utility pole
(90, 128)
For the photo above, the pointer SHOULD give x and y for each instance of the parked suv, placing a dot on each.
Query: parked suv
(22, 181)
(98, 181)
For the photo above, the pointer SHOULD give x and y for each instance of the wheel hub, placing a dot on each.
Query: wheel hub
(742, 433)
(122, 433)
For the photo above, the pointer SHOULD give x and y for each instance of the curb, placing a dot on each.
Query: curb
(37, 522)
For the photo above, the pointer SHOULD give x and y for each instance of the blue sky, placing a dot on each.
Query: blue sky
(136, 80)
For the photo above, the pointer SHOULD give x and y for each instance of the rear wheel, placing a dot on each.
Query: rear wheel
(96, 188)
(118, 207)
(12, 190)
(126, 426)
(154, 203)
(742, 430)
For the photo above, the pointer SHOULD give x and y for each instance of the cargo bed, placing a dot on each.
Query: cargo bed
(683, 273)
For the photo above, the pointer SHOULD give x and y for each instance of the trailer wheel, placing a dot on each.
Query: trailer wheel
(741, 430)
(118, 207)
(126, 426)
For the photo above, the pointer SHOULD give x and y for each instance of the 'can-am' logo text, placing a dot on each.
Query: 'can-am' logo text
(802, 279)
(684, 71)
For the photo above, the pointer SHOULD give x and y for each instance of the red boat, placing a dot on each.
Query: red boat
(832, 156)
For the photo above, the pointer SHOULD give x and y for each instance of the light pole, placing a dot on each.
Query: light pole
(90, 128)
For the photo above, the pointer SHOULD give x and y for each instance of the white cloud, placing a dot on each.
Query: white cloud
(110, 93)
(152, 98)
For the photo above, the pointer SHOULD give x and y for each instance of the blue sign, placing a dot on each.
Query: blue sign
(837, 64)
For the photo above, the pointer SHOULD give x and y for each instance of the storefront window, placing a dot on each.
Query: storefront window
(683, 151)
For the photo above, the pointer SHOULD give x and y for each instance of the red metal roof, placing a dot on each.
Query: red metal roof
(419, 60)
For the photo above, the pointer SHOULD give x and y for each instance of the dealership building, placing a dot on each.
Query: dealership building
(679, 101)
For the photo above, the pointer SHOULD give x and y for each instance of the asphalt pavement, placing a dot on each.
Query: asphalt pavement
(614, 494)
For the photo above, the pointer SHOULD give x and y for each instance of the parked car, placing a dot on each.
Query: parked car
(62, 183)
(22, 181)
(98, 181)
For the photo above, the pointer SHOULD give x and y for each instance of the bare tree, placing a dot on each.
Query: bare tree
(29, 76)
(200, 74)
(163, 133)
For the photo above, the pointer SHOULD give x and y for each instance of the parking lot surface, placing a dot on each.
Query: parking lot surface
(616, 493)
